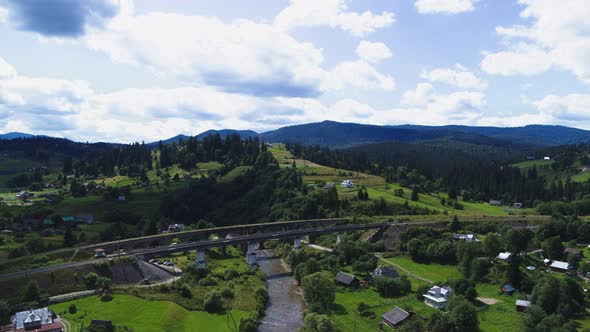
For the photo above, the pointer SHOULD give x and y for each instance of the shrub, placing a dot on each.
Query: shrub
(186, 292)
(213, 302)
(90, 280)
(227, 293)
(72, 309)
(362, 307)
(208, 281)
(249, 324)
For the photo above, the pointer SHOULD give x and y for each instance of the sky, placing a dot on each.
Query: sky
(125, 71)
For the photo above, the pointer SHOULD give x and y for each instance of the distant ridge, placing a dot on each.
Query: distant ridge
(14, 135)
(338, 134)
(225, 132)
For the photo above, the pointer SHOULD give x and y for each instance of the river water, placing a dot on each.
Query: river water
(284, 311)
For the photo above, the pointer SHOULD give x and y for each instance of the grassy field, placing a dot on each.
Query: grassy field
(437, 273)
(346, 316)
(146, 316)
(377, 187)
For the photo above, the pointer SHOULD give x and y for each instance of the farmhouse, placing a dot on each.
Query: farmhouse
(85, 218)
(495, 202)
(517, 205)
(559, 266)
(347, 184)
(585, 168)
(437, 297)
(175, 227)
(394, 317)
(522, 305)
(38, 320)
(345, 279)
(504, 256)
(385, 272)
(465, 237)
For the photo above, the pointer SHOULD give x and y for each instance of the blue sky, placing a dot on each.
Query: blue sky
(118, 70)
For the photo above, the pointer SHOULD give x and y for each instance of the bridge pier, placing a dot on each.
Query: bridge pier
(200, 261)
(297, 244)
(251, 254)
(338, 238)
(261, 245)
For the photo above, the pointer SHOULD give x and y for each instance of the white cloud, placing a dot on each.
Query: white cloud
(3, 15)
(6, 69)
(373, 52)
(522, 59)
(431, 108)
(357, 74)
(332, 13)
(571, 108)
(241, 56)
(459, 76)
(558, 35)
(444, 6)
(420, 96)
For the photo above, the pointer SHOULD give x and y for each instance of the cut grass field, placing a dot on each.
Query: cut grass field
(436, 273)
(146, 316)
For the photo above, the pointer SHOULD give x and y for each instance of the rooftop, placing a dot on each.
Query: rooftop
(395, 316)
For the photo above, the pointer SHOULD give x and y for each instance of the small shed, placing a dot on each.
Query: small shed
(103, 325)
(345, 279)
(522, 305)
(395, 317)
(507, 289)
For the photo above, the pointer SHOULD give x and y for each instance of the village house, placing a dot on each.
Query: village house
(385, 272)
(517, 205)
(465, 237)
(85, 218)
(522, 305)
(329, 186)
(504, 256)
(559, 266)
(495, 202)
(38, 320)
(585, 168)
(437, 297)
(68, 220)
(347, 184)
(394, 317)
(345, 279)
(175, 227)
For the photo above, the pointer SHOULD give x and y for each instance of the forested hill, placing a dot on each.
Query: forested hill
(342, 135)
(541, 135)
(336, 134)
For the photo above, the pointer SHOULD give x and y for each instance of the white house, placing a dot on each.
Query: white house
(466, 237)
(347, 184)
(504, 256)
(547, 158)
(559, 266)
(37, 320)
(437, 297)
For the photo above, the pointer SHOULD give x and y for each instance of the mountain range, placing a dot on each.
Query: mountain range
(337, 134)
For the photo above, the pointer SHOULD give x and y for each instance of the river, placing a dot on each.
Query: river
(284, 311)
